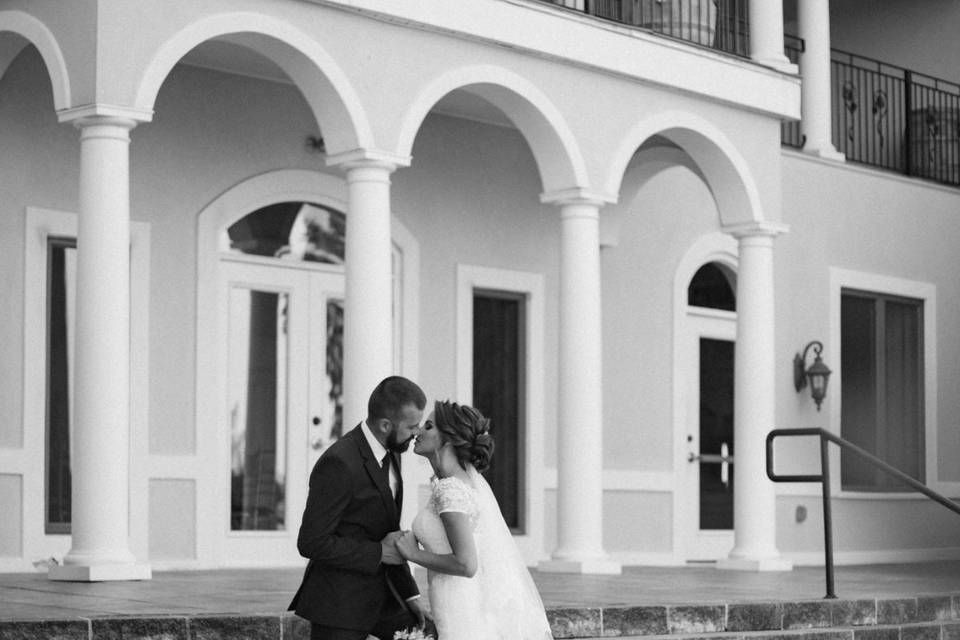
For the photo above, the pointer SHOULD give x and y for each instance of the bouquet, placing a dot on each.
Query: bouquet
(414, 633)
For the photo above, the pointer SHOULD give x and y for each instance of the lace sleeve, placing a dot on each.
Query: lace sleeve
(453, 496)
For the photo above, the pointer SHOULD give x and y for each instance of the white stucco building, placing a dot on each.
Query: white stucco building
(222, 222)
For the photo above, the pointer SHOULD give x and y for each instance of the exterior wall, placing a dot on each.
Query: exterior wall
(470, 197)
(887, 31)
(850, 217)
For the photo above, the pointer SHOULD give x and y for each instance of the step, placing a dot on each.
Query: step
(770, 617)
(934, 617)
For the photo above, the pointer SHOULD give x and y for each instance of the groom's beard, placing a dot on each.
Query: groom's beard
(394, 444)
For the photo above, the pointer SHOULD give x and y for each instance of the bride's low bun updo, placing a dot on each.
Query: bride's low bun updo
(468, 431)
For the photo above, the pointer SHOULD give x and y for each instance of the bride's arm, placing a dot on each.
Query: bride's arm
(463, 560)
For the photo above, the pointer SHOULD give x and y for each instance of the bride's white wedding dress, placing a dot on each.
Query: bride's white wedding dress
(500, 602)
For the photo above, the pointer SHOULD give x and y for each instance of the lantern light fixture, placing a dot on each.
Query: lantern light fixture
(817, 374)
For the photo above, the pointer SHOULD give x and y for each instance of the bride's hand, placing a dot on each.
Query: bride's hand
(407, 545)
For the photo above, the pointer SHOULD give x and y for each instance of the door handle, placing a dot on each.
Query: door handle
(710, 458)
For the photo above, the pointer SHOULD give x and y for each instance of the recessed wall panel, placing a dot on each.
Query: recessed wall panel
(173, 520)
(11, 523)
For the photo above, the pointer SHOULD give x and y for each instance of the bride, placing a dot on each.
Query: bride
(479, 587)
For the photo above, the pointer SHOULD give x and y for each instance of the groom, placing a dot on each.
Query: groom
(356, 584)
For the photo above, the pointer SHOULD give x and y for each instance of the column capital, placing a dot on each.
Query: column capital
(99, 113)
(577, 195)
(373, 158)
(761, 228)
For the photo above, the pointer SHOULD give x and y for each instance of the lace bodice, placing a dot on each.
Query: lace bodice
(448, 495)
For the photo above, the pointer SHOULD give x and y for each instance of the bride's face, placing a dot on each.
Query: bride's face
(429, 439)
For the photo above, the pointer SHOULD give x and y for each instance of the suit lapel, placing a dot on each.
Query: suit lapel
(375, 473)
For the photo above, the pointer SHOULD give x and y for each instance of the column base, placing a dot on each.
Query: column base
(763, 564)
(598, 567)
(100, 572)
(827, 154)
(782, 64)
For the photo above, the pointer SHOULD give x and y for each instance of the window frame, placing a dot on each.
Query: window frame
(531, 286)
(40, 226)
(926, 293)
(54, 241)
(879, 302)
(523, 321)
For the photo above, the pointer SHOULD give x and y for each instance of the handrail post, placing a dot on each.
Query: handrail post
(827, 515)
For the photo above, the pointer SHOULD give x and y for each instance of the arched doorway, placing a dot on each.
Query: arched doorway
(270, 294)
(706, 340)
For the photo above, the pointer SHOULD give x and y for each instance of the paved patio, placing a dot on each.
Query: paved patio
(268, 591)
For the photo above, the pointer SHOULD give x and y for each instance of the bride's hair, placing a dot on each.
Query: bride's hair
(467, 430)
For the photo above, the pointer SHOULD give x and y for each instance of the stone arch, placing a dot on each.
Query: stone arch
(718, 161)
(554, 147)
(326, 88)
(27, 29)
(644, 166)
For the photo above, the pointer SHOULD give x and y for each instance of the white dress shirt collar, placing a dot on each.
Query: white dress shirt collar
(379, 451)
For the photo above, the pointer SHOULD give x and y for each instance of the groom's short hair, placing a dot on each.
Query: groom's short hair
(392, 395)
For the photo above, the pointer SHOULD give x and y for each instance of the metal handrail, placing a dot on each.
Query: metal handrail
(824, 479)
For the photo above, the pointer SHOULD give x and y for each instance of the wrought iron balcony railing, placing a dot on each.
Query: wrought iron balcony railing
(883, 115)
(892, 118)
(717, 24)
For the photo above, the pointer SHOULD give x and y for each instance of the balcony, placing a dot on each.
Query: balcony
(717, 24)
(889, 117)
(883, 115)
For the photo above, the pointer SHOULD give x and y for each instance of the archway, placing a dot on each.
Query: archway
(247, 280)
(705, 329)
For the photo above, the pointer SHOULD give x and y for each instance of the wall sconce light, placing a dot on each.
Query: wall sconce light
(316, 143)
(818, 373)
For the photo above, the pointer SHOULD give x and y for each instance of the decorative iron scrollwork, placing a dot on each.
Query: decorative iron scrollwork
(850, 104)
(931, 120)
(880, 112)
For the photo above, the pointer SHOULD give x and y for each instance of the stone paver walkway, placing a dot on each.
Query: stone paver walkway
(260, 591)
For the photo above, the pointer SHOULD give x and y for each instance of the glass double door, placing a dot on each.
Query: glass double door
(282, 354)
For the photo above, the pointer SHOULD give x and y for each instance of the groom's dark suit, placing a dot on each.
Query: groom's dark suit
(349, 510)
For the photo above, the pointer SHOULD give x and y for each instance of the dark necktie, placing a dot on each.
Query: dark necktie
(397, 496)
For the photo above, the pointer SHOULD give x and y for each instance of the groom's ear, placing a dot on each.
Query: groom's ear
(382, 427)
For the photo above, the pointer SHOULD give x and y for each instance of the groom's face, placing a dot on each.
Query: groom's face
(404, 429)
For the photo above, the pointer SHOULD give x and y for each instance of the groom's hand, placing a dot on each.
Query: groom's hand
(388, 549)
(418, 611)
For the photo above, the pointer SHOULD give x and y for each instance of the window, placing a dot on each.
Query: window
(712, 287)
(61, 289)
(882, 365)
(499, 327)
(291, 231)
(49, 308)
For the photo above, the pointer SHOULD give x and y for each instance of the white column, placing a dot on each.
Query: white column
(101, 408)
(368, 297)
(766, 35)
(754, 498)
(815, 117)
(580, 411)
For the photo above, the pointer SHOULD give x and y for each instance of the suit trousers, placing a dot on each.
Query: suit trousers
(393, 621)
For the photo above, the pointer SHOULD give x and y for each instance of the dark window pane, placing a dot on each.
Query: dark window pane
(903, 444)
(257, 351)
(61, 267)
(882, 382)
(710, 287)
(498, 391)
(291, 231)
(716, 430)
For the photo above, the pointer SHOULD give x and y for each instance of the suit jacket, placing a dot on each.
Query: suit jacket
(349, 510)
